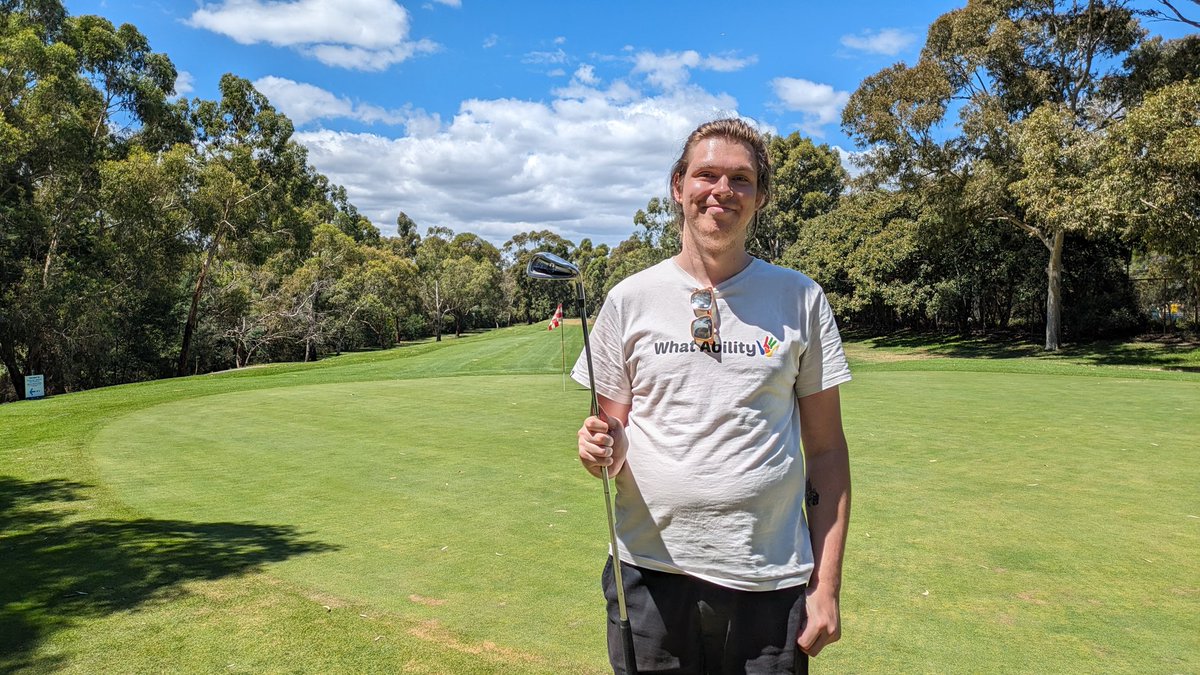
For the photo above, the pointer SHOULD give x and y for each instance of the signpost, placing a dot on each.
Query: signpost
(35, 387)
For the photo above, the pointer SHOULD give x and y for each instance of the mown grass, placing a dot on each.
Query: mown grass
(420, 510)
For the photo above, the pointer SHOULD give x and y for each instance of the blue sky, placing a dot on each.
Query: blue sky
(503, 116)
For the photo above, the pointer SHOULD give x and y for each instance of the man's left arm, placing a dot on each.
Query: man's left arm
(828, 462)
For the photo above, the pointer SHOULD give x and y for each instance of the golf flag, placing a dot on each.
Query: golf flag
(556, 320)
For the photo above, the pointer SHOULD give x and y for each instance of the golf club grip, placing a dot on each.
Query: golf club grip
(627, 647)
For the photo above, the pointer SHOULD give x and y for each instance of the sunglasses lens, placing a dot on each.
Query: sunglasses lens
(702, 329)
(702, 300)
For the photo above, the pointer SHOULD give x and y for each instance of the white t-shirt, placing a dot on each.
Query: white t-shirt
(714, 484)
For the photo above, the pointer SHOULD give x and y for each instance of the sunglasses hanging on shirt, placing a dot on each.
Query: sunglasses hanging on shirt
(703, 327)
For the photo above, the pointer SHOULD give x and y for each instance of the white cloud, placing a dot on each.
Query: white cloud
(670, 70)
(490, 41)
(303, 103)
(560, 40)
(450, 3)
(821, 104)
(359, 58)
(850, 160)
(184, 83)
(889, 41)
(727, 64)
(357, 34)
(580, 164)
(667, 70)
(586, 75)
(556, 56)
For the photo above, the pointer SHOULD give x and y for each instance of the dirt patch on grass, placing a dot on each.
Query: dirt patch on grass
(433, 631)
(1031, 597)
(326, 601)
(428, 602)
(864, 352)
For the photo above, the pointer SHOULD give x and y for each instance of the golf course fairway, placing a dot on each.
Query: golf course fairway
(422, 510)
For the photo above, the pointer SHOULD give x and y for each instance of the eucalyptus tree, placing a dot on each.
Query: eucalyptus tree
(657, 239)
(808, 180)
(1151, 180)
(1174, 10)
(1021, 75)
(660, 222)
(593, 262)
(247, 305)
(252, 185)
(406, 240)
(328, 301)
(534, 300)
(76, 92)
(1154, 64)
(457, 275)
(385, 285)
(628, 258)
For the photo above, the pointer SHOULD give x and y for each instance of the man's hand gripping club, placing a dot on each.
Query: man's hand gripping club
(602, 442)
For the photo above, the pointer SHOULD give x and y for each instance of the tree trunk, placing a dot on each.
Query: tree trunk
(49, 258)
(35, 363)
(1195, 293)
(9, 358)
(437, 312)
(1054, 294)
(190, 327)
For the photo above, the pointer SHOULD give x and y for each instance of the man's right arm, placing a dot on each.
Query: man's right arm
(602, 440)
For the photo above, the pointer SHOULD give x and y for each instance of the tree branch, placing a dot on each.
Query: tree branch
(1033, 231)
(1178, 15)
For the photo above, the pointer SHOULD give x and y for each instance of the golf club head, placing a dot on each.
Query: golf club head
(546, 265)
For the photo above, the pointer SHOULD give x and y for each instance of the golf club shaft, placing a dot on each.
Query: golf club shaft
(608, 508)
(625, 629)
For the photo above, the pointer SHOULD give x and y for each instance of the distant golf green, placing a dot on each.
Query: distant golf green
(421, 510)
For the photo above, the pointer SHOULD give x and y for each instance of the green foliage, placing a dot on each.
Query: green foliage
(593, 264)
(808, 180)
(136, 232)
(1153, 65)
(1026, 80)
(459, 277)
(661, 222)
(534, 299)
(630, 257)
(79, 95)
(1151, 181)
(865, 255)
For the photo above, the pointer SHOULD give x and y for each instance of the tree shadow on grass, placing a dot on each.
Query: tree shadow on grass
(57, 568)
(960, 346)
(1179, 355)
(1166, 355)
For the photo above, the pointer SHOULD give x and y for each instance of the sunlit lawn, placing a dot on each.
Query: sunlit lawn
(420, 510)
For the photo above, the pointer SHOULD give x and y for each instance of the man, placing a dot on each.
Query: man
(713, 369)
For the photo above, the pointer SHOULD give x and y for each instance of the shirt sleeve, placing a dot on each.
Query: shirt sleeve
(608, 356)
(823, 363)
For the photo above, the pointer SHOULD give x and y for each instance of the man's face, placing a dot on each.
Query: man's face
(718, 192)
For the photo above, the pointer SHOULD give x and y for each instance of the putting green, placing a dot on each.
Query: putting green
(991, 509)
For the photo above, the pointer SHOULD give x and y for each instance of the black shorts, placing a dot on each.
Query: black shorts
(682, 624)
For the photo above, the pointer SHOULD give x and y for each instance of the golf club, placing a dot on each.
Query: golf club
(545, 265)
